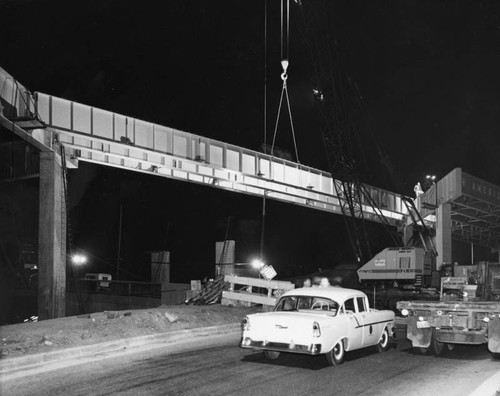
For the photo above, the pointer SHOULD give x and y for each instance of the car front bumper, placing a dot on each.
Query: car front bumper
(312, 349)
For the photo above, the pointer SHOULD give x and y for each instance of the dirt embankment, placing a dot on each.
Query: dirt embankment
(49, 335)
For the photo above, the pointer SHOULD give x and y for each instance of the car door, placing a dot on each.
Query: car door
(368, 327)
(354, 324)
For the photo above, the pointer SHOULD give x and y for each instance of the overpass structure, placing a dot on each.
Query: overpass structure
(106, 138)
(67, 132)
(463, 208)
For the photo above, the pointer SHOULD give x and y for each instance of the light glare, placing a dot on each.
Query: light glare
(79, 259)
(258, 264)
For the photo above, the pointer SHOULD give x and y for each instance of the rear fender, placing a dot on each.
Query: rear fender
(391, 329)
(420, 338)
(346, 342)
(494, 334)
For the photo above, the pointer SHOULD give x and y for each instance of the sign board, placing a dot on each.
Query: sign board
(268, 272)
(380, 263)
(196, 285)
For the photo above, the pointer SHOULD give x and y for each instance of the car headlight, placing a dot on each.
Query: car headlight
(405, 312)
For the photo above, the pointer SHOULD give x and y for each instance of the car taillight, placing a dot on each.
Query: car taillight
(246, 323)
(316, 330)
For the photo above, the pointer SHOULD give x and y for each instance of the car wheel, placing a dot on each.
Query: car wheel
(336, 355)
(271, 355)
(383, 344)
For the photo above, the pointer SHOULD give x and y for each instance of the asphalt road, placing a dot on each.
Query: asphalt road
(219, 367)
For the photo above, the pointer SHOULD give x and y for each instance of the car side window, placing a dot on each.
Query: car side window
(305, 302)
(349, 306)
(287, 304)
(361, 304)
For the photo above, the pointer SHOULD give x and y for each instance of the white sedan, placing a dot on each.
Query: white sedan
(319, 320)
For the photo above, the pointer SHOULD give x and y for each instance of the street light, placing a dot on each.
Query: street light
(429, 181)
(78, 259)
(257, 264)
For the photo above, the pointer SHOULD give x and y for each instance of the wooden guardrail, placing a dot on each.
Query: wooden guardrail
(241, 291)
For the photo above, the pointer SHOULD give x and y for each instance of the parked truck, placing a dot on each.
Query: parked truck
(468, 312)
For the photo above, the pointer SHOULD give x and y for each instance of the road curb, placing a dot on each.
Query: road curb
(19, 363)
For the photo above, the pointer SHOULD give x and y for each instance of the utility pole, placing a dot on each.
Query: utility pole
(119, 245)
(263, 227)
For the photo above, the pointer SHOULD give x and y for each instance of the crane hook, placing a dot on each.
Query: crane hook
(284, 64)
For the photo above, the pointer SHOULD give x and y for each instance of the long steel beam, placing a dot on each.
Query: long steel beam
(103, 137)
(95, 135)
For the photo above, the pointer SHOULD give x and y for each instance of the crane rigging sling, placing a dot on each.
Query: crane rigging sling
(285, 42)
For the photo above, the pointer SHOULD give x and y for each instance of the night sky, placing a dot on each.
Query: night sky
(428, 73)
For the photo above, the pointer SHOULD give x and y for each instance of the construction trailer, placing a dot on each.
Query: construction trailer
(468, 312)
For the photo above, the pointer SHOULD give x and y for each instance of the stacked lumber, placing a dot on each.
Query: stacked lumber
(211, 292)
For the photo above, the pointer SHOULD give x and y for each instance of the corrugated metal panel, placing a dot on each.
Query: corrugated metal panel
(480, 189)
(450, 186)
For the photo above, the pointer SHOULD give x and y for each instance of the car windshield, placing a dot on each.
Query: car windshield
(307, 303)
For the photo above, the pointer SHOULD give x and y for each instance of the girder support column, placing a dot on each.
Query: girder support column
(51, 238)
(443, 235)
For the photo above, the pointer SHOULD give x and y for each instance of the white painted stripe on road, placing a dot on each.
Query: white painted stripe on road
(490, 387)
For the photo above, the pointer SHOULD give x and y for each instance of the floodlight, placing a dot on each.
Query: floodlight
(79, 259)
(257, 263)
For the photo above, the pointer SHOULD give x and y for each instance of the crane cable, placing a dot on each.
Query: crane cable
(285, 35)
(263, 214)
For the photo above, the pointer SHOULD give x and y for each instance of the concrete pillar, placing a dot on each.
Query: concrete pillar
(51, 239)
(160, 273)
(443, 235)
(160, 267)
(224, 257)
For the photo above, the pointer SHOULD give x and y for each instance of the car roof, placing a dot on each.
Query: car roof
(338, 294)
